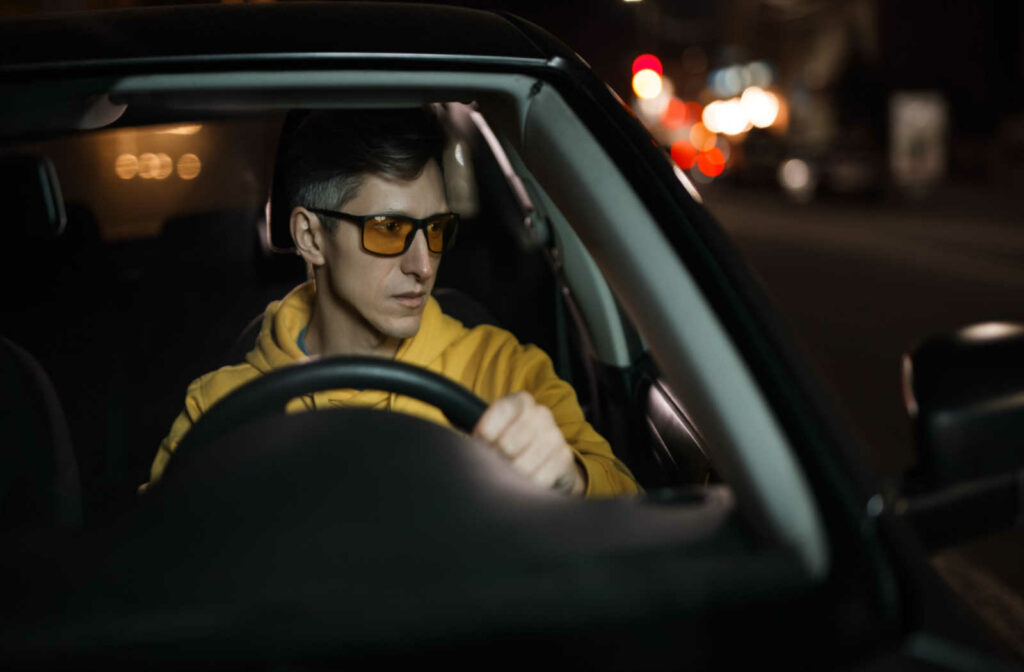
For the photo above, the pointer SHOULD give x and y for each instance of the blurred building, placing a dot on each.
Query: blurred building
(878, 97)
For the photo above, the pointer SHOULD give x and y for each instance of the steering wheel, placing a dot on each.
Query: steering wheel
(269, 393)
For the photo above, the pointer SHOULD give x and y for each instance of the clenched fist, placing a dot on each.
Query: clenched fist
(526, 434)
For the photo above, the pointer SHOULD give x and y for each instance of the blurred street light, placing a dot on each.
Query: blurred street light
(647, 84)
(647, 62)
(797, 179)
(760, 107)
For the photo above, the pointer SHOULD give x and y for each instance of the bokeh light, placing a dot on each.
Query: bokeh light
(726, 116)
(760, 107)
(711, 162)
(702, 137)
(164, 166)
(795, 174)
(148, 165)
(651, 109)
(797, 179)
(760, 74)
(647, 84)
(647, 62)
(684, 153)
(726, 82)
(694, 111)
(188, 166)
(676, 114)
(126, 166)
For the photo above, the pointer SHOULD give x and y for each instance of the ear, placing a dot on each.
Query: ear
(309, 235)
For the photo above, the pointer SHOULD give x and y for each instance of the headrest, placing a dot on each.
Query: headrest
(32, 197)
(277, 211)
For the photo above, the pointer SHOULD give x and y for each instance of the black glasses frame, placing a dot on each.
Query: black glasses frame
(418, 225)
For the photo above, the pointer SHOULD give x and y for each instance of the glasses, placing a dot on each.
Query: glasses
(392, 235)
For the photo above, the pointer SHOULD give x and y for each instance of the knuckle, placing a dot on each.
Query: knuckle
(525, 398)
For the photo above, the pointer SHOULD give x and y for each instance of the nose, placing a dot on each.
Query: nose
(418, 260)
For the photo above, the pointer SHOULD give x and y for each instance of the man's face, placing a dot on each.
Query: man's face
(388, 294)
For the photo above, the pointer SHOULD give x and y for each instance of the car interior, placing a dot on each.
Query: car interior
(132, 279)
(160, 303)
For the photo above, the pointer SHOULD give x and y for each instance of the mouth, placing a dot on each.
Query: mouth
(411, 299)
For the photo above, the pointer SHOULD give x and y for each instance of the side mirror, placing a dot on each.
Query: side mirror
(964, 393)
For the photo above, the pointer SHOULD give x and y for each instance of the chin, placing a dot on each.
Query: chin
(401, 327)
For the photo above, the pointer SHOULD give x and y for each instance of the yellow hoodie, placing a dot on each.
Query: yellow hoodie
(487, 360)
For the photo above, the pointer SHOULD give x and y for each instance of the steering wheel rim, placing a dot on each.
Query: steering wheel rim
(269, 393)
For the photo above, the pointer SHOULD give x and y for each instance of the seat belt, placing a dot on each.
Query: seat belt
(529, 236)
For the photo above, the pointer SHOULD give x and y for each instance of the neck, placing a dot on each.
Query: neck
(339, 330)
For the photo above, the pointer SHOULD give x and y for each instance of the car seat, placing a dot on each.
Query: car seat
(39, 483)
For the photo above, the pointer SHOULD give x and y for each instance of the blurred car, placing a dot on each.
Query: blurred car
(138, 154)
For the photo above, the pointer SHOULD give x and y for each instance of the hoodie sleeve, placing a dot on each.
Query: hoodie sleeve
(181, 425)
(202, 393)
(514, 367)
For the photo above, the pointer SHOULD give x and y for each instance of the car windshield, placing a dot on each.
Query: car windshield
(167, 262)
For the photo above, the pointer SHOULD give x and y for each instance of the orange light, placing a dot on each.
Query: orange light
(675, 115)
(684, 154)
(647, 62)
(148, 165)
(694, 111)
(701, 137)
(164, 166)
(183, 129)
(188, 166)
(711, 162)
(126, 166)
(647, 84)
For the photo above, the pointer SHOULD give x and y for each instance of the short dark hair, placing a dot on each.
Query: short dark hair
(330, 151)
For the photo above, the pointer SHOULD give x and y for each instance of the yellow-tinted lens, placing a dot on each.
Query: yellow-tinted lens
(386, 235)
(439, 230)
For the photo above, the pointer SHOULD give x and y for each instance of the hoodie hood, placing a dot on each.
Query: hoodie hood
(277, 344)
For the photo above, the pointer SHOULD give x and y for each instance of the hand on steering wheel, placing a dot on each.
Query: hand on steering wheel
(522, 430)
(526, 434)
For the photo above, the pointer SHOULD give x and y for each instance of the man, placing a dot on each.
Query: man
(369, 214)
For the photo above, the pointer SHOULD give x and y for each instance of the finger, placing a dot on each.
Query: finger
(543, 448)
(497, 417)
(546, 438)
(558, 471)
(523, 431)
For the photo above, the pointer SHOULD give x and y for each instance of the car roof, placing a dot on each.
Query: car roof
(305, 29)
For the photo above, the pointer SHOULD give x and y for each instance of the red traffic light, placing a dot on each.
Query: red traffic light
(647, 62)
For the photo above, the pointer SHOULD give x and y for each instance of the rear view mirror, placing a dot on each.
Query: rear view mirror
(964, 393)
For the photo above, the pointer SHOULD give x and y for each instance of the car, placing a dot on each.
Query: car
(144, 238)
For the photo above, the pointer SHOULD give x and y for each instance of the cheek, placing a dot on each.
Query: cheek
(352, 275)
(373, 278)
